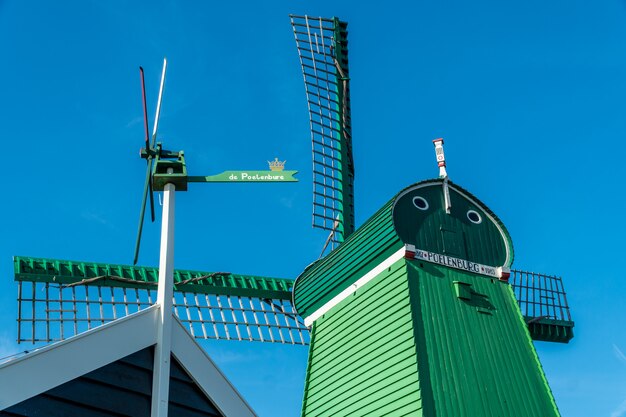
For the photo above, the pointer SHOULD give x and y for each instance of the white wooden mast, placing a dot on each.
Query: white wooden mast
(162, 351)
(165, 292)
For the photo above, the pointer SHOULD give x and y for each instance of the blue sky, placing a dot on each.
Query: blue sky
(529, 96)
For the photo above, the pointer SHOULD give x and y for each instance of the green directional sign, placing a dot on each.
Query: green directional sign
(248, 176)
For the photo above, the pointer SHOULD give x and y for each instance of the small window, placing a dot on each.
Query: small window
(474, 217)
(420, 203)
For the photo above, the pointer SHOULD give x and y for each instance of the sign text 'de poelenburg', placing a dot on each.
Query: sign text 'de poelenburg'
(457, 263)
(248, 176)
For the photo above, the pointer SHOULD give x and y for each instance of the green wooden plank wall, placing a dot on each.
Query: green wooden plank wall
(364, 361)
(480, 355)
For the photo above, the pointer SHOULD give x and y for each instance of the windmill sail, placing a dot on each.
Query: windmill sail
(58, 299)
(543, 303)
(323, 50)
(149, 154)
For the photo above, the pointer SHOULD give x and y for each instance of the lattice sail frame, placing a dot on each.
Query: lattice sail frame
(543, 303)
(323, 50)
(58, 299)
(540, 296)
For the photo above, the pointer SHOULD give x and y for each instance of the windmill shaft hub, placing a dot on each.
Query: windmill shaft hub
(170, 168)
(147, 153)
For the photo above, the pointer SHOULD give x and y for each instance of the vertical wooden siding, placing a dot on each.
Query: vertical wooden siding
(480, 355)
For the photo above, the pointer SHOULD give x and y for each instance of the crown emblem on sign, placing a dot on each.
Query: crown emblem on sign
(276, 165)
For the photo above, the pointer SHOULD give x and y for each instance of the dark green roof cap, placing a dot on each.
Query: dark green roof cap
(415, 216)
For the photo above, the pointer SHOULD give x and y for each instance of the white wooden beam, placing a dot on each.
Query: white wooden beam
(206, 374)
(162, 351)
(56, 364)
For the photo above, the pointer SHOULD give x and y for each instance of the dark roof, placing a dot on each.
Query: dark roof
(121, 388)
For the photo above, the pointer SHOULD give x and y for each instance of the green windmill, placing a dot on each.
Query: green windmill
(414, 315)
(415, 312)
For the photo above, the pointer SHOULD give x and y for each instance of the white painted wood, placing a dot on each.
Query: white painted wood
(56, 364)
(446, 195)
(206, 374)
(441, 158)
(373, 273)
(158, 109)
(162, 351)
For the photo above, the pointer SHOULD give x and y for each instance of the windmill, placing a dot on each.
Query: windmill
(413, 314)
(401, 306)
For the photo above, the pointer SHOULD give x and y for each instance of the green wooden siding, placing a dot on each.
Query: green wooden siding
(421, 338)
(480, 356)
(363, 360)
(375, 241)
(399, 222)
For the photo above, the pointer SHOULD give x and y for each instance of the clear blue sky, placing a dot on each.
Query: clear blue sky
(529, 96)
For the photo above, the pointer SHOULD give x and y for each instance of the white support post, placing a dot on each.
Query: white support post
(162, 352)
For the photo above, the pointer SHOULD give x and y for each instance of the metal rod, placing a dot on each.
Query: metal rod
(232, 313)
(100, 304)
(113, 303)
(256, 320)
(187, 313)
(202, 321)
(75, 312)
(33, 316)
(125, 301)
(280, 333)
(211, 315)
(47, 287)
(19, 311)
(221, 310)
(61, 313)
(88, 307)
(267, 321)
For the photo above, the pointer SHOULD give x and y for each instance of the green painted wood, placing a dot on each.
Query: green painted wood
(453, 234)
(406, 341)
(247, 176)
(91, 273)
(344, 128)
(548, 330)
(422, 338)
(400, 222)
(369, 245)
(365, 364)
(480, 355)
